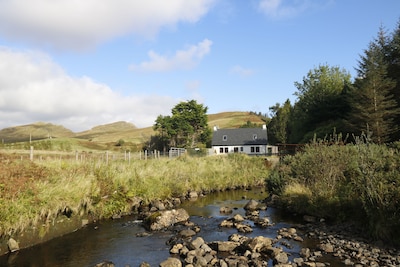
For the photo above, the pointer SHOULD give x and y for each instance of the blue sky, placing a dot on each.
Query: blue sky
(85, 63)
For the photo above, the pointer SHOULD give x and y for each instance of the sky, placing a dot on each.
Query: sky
(86, 63)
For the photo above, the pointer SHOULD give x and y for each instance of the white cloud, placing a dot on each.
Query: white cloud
(71, 24)
(34, 88)
(183, 59)
(289, 8)
(242, 72)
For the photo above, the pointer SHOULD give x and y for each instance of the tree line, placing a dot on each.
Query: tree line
(330, 101)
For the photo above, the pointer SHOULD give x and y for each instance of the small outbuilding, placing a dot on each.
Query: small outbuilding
(251, 141)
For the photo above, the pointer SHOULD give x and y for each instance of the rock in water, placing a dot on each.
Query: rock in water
(164, 219)
(12, 245)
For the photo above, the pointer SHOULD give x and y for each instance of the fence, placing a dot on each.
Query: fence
(106, 156)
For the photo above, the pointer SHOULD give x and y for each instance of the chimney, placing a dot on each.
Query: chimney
(215, 128)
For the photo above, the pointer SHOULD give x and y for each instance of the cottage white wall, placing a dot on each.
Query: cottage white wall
(246, 149)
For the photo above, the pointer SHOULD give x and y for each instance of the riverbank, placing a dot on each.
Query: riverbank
(44, 199)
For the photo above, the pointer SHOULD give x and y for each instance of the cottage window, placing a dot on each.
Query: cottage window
(221, 150)
(257, 149)
(254, 137)
(224, 137)
(226, 150)
(252, 149)
(241, 149)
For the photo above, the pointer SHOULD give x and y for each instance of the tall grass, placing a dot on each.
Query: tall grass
(70, 188)
(344, 182)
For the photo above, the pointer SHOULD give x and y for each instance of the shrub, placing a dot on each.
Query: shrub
(357, 181)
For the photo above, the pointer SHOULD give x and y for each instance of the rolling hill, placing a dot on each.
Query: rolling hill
(104, 136)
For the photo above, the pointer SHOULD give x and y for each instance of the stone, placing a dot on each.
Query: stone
(13, 245)
(227, 223)
(105, 264)
(281, 257)
(225, 210)
(327, 248)
(305, 253)
(176, 249)
(259, 243)
(171, 262)
(187, 233)
(196, 243)
(144, 264)
(244, 228)
(193, 195)
(227, 246)
(238, 218)
(164, 219)
(157, 204)
(251, 205)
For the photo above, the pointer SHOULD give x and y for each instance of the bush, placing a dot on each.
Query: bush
(347, 182)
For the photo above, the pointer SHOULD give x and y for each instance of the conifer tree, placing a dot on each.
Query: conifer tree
(374, 107)
(394, 71)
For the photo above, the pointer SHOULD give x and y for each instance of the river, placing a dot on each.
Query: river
(117, 240)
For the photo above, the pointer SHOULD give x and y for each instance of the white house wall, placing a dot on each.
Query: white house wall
(245, 149)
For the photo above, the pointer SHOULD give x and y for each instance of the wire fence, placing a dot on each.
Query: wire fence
(84, 156)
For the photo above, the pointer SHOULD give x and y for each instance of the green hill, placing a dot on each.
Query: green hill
(106, 136)
(34, 131)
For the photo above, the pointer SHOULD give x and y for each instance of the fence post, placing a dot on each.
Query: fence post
(107, 157)
(76, 155)
(145, 154)
(31, 154)
(129, 157)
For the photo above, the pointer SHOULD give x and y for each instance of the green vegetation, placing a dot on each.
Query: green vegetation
(329, 100)
(38, 192)
(358, 182)
(187, 127)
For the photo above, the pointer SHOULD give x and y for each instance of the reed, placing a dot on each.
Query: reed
(102, 189)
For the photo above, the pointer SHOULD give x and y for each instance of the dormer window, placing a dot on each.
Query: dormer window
(224, 137)
(254, 137)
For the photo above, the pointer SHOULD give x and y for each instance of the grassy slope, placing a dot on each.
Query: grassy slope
(105, 136)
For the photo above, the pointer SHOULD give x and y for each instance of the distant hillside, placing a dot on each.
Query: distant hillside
(34, 131)
(109, 134)
(226, 120)
(107, 129)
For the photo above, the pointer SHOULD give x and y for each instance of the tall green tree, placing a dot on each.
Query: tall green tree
(279, 124)
(374, 107)
(187, 126)
(393, 59)
(321, 103)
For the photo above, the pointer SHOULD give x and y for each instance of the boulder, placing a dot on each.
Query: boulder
(157, 204)
(259, 243)
(163, 219)
(12, 245)
(193, 195)
(185, 233)
(171, 262)
(196, 243)
(225, 210)
(238, 218)
(252, 205)
(226, 246)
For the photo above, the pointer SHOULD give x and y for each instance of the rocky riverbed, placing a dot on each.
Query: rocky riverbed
(329, 245)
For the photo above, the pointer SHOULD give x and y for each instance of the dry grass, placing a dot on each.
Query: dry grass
(42, 191)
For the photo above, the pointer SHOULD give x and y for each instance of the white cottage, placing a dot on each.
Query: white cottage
(251, 141)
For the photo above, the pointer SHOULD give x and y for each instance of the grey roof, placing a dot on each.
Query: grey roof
(238, 137)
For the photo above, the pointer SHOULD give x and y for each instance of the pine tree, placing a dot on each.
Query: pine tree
(394, 71)
(374, 107)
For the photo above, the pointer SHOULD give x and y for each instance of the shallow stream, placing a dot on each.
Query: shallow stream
(117, 240)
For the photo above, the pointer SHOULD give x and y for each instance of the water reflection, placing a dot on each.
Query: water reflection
(117, 240)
